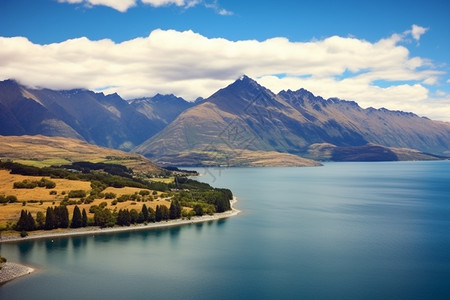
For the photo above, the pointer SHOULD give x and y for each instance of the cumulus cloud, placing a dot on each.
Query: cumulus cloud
(417, 31)
(191, 65)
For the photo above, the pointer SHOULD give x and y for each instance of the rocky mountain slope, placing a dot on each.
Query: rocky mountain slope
(105, 120)
(247, 116)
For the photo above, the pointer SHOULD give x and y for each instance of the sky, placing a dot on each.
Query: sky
(386, 53)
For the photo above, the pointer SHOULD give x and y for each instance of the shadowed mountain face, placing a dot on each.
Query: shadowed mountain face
(247, 116)
(103, 120)
(161, 108)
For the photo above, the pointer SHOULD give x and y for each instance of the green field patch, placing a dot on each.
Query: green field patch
(42, 163)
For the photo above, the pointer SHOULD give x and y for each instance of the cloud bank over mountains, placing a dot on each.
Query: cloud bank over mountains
(188, 64)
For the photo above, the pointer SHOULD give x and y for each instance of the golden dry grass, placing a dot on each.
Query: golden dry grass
(11, 212)
(40, 194)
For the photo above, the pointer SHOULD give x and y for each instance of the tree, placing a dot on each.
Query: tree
(134, 216)
(84, 220)
(11, 199)
(21, 224)
(158, 214)
(77, 194)
(144, 213)
(57, 217)
(40, 220)
(151, 215)
(222, 205)
(144, 193)
(175, 210)
(110, 196)
(165, 213)
(26, 222)
(77, 221)
(198, 209)
(123, 218)
(140, 219)
(62, 216)
(104, 218)
(31, 225)
(50, 220)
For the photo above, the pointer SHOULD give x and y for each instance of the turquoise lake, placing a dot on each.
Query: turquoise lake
(341, 231)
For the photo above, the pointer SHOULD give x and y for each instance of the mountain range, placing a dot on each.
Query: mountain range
(247, 116)
(243, 124)
(104, 120)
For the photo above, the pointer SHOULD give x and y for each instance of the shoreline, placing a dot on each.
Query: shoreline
(98, 230)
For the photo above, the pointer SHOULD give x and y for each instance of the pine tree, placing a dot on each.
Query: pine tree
(57, 217)
(140, 219)
(21, 224)
(134, 216)
(84, 220)
(165, 213)
(77, 222)
(145, 212)
(158, 214)
(50, 220)
(26, 222)
(123, 218)
(151, 215)
(63, 217)
(175, 210)
(30, 224)
(40, 220)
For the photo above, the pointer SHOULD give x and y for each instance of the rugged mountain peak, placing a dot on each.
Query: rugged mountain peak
(168, 98)
(9, 85)
(298, 93)
(301, 96)
(245, 82)
(9, 82)
(239, 94)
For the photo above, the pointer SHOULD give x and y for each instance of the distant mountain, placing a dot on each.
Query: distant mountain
(245, 116)
(163, 108)
(104, 120)
(368, 152)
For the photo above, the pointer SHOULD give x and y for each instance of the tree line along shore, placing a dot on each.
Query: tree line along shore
(106, 202)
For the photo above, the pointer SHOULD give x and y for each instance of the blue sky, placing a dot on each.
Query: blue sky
(392, 54)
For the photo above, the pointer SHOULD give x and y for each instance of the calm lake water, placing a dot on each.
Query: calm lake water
(345, 230)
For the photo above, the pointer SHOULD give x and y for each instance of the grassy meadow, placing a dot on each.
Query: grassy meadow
(39, 198)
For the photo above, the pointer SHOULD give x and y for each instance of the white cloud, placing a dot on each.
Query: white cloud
(191, 65)
(417, 31)
(216, 7)
(124, 5)
(120, 5)
(158, 3)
